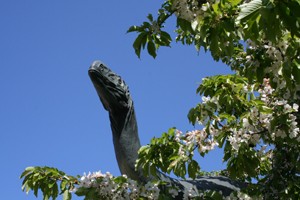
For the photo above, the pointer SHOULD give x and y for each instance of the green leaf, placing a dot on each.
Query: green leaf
(193, 169)
(27, 171)
(290, 15)
(265, 109)
(81, 191)
(63, 185)
(260, 74)
(296, 72)
(67, 195)
(215, 6)
(249, 9)
(46, 197)
(36, 189)
(173, 163)
(151, 49)
(150, 17)
(51, 184)
(139, 43)
(166, 38)
(133, 28)
(153, 170)
(184, 24)
(120, 179)
(234, 2)
(214, 44)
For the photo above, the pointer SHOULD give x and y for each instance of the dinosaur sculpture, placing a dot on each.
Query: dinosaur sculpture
(116, 99)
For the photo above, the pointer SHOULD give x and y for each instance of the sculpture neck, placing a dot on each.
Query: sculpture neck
(126, 143)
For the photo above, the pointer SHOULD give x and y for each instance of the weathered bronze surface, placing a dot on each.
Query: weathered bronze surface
(115, 97)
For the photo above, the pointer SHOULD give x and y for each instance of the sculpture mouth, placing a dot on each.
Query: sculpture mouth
(111, 89)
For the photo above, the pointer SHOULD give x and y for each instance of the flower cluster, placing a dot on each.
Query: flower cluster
(190, 9)
(110, 187)
(283, 113)
(249, 129)
(262, 120)
(209, 106)
(277, 64)
(198, 138)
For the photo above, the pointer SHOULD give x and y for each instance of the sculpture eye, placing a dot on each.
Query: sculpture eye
(120, 81)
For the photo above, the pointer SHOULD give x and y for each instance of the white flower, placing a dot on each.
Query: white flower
(283, 45)
(280, 133)
(280, 102)
(246, 123)
(205, 7)
(295, 107)
(234, 142)
(287, 108)
(294, 133)
(181, 152)
(186, 10)
(97, 174)
(254, 112)
(178, 135)
(205, 99)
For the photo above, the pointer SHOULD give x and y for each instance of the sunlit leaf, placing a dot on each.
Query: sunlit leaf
(234, 2)
(67, 195)
(248, 9)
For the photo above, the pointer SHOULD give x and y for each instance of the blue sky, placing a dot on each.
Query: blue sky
(50, 113)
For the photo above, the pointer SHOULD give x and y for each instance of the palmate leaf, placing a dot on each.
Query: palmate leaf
(249, 9)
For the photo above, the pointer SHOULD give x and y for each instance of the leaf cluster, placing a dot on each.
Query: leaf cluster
(150, 33)
(163, 153)
(46, 179)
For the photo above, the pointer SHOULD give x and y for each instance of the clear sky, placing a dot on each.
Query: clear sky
(50, 113)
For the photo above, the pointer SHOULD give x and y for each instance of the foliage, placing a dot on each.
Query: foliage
(163, 153)
(151, 34)
(252, 114)
(45, 179)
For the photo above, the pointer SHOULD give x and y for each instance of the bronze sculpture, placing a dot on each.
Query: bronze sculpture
(116, 99)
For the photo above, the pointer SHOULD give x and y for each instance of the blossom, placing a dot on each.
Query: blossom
(234, 141)
(295, 107)
(287, 108)
(205, 99)
(188, 10)
(246, 123)
(178, 134)
(106, 186)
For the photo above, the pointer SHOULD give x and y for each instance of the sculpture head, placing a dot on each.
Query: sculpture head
(115, 97)
(111, 89)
